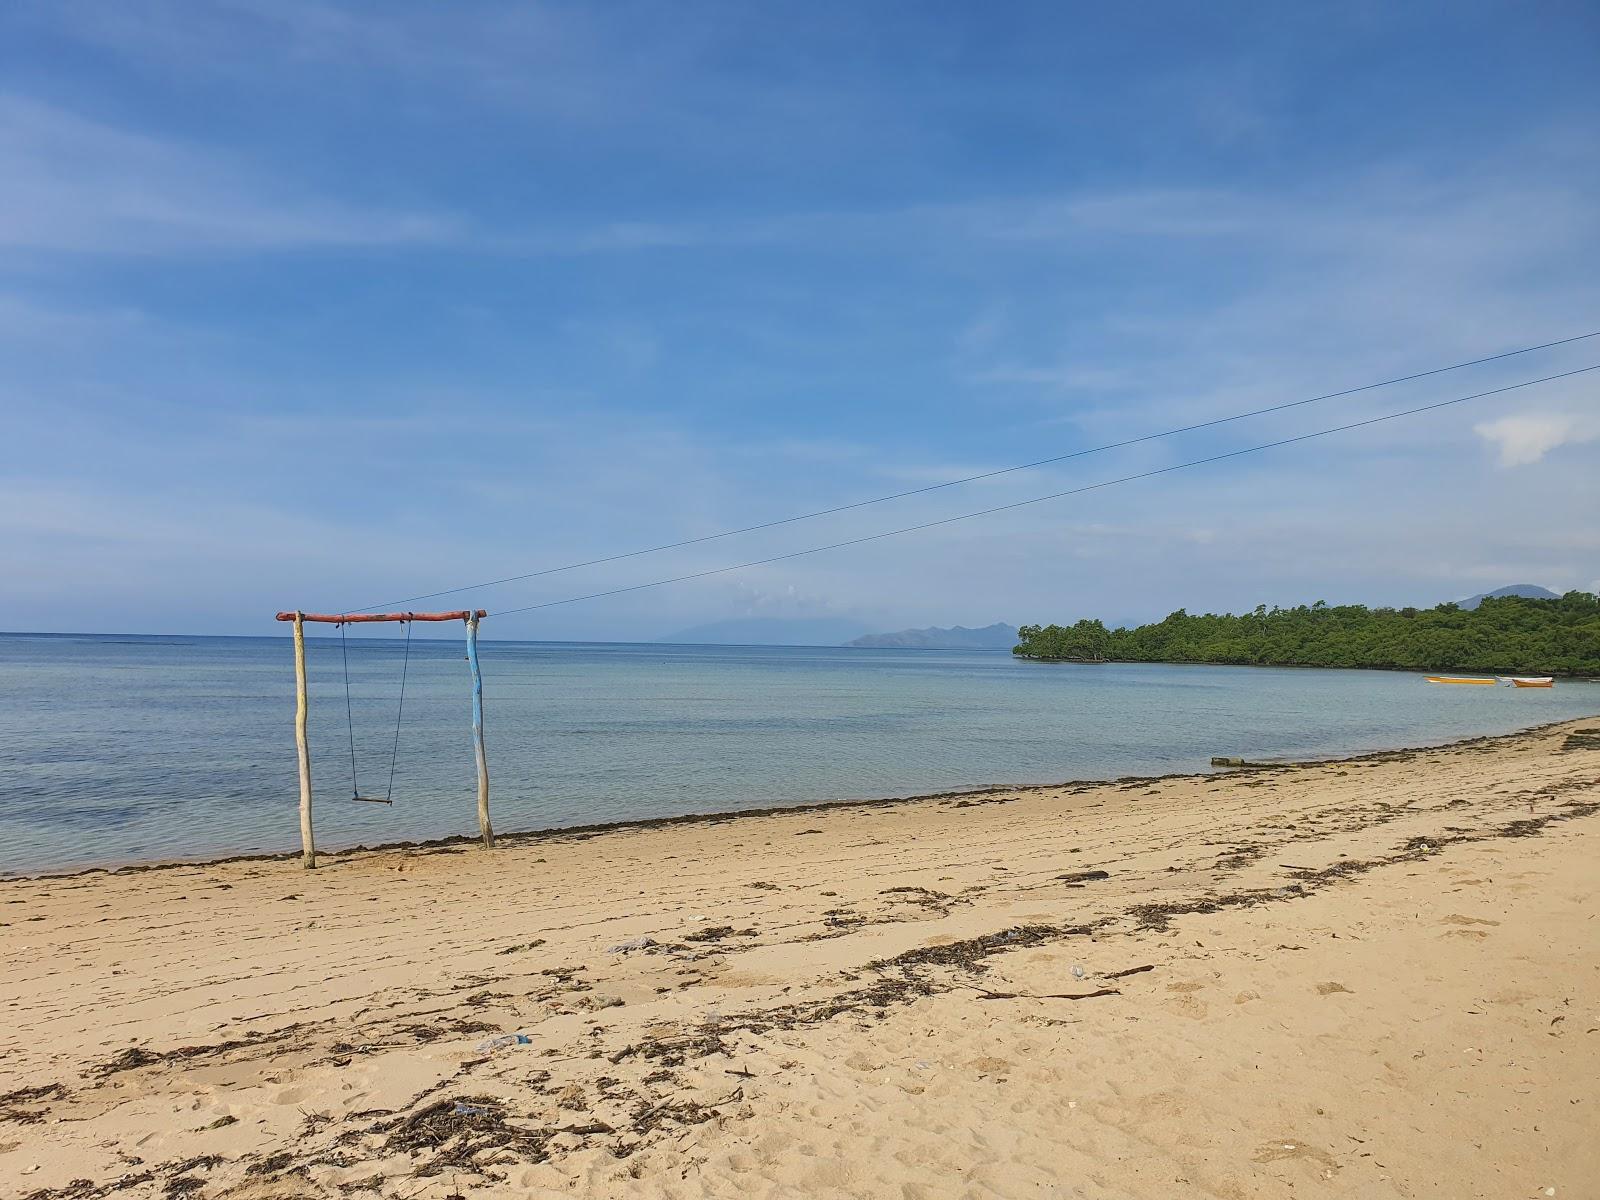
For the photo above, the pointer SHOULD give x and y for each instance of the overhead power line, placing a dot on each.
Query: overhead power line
(950, 483)
(1088, 487)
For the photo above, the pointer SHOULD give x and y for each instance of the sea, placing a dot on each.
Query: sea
(120, 749)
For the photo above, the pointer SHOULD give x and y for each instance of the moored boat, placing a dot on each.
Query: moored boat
(1461, 679)
(1533, 681)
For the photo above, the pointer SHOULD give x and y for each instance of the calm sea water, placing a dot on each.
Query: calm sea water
(116, 749)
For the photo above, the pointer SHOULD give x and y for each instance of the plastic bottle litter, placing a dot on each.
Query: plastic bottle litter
(463, 1109)
(503, 1041)
(1078, 972)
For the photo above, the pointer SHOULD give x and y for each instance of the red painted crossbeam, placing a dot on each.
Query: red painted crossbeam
(359, 618)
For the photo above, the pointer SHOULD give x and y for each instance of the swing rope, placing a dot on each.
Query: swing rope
(394, 754)
(350, 722)
(349, 718)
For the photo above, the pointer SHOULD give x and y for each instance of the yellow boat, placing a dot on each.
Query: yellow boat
(1535, 681)
(1458, 679)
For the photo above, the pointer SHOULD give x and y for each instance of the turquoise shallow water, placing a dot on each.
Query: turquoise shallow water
(116, 749)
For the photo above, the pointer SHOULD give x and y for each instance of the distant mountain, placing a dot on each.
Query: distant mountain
(991, 637)
(1528, 591)
(770, 631)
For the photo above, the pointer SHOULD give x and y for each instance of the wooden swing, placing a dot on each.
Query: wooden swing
(303, 704)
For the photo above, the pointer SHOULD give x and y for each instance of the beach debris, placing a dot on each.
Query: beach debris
(1131, 971)
(130, 1059)
(926, 898)
(1078, 972)
(632, 944)
(503, 1042)
(271, 1164)
(533, 945)
(683, 1112)
(1084, 876)
(458, 1130)
(674, 1051)
(12, 1103)
(715, 933)
(1049, 995)
(422, 1032)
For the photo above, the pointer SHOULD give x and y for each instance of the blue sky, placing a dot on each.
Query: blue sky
(324, 305)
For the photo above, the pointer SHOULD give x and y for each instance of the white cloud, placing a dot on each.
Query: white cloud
(1523, 440)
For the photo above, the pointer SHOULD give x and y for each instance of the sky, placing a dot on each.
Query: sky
(327, 306)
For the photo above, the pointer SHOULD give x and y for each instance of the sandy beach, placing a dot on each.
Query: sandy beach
(1373, 977)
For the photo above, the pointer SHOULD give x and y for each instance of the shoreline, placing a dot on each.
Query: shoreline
(1019, 990)
(457, 843)
(1498, 673)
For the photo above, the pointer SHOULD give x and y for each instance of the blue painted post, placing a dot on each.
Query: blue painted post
(477, 733)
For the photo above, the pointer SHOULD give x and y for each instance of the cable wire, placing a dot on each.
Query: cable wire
(949, 483)
(1090, 487)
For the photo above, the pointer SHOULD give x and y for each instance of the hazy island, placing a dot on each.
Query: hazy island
(1510, 634)
(998, 636)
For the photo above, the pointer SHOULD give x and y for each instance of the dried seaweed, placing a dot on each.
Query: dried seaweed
(135, 1057)
(271, 1164)
(459, 1129)
(87, 1189)
(1582, 739)
(649, 1117)
(715, 933)
(12, 1103)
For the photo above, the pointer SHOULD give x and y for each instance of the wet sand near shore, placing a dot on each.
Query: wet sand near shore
(1372, 977)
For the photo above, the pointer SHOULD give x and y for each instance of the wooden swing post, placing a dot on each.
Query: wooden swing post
(302, 706)
(484, 827)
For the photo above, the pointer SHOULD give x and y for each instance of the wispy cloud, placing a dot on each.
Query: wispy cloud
(1523, 440)
(83, 186)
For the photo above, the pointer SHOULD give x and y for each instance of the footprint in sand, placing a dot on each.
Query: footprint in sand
(996, 1067)
(1185, 1003)
(1292, 1148)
